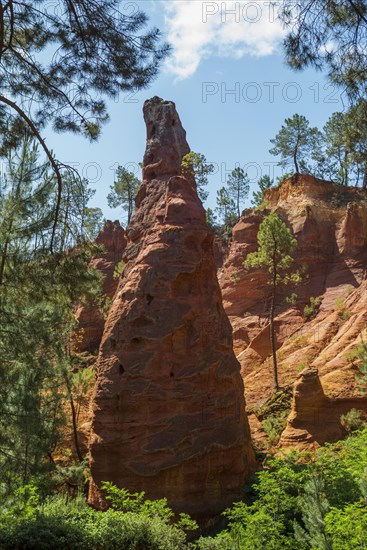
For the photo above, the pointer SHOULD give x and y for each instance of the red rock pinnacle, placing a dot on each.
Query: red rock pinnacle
(169, 412)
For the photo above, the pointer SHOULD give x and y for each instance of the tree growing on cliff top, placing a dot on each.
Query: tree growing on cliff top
(195, 165)
(123, 191)
(296, 143)
(276, 247)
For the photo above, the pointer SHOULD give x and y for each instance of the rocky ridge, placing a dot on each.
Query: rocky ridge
(330, 224)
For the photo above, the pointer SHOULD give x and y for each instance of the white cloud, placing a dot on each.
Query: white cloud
(199, 29)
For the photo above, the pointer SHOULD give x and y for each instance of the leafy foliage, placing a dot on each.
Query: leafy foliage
(314, 507)
(300, 504)
(226, 209)
(211, 218)
(273, 426)
(351, 420)
(60, 522)
(59, 61)
(311, 309)
(362, 375)
(65, 58)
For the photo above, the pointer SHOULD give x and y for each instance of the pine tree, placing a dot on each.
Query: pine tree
(38, 293)
(123, 191)
(296, 143)
(338, 155)
(238, 187)
(226, 209)
(211, 218)
(60, 63)
(264, 183)
(356, 137)
(276, 247)
(329, 35)
(314, 507)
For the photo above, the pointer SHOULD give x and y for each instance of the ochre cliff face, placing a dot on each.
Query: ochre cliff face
(330, 224)
(315, 418)
(168, 408)
(90, 319)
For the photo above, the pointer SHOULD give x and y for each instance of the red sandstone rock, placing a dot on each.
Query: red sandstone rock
(330, 224)
(315, 418)
(90, 319)
(169, 412)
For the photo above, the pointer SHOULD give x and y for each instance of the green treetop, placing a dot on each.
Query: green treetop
(356, 138)
(338, 154)
(296, 143)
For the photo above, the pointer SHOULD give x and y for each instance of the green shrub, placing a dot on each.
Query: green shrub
(347, 527)
(341, 308)
(273, 413)
(351, 420)
(298, 504)
(294, 503)
(274, 425)
(292, 299)
(311, 309)
(61, 523)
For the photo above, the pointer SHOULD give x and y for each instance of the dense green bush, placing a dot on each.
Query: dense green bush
(61, 523)
(296, 502)
(301, 504)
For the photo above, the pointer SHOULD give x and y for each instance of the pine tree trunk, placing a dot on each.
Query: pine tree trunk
(345, 178)
(272, 335)
(4, 255)
(364, 184)
(295, 155)
(3, 260)
(73, 416)
(130, 206)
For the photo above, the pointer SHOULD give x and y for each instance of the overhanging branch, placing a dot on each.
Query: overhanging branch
(49, 155)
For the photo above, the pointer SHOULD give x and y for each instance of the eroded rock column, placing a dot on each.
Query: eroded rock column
(169, 410)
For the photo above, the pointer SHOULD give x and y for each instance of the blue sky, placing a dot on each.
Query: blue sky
(231, 87)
